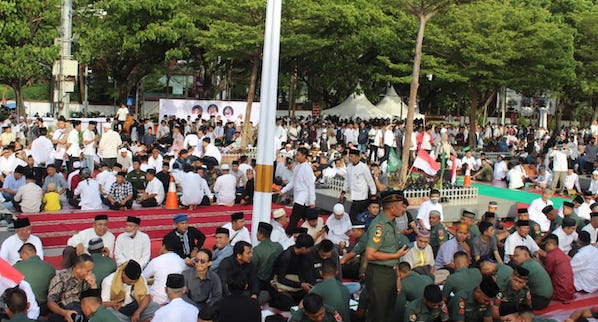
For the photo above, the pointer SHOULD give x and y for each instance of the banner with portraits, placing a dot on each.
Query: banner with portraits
(221, 110)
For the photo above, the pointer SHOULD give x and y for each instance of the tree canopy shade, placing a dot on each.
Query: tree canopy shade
(27, 32)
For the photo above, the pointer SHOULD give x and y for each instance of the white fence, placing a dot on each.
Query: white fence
(250, 152)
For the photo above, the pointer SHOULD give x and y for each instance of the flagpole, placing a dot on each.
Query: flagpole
(407, 177)
(264, 170)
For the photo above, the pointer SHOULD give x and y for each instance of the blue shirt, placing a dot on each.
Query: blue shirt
(219, 255)
(11, 183)
(446, 252)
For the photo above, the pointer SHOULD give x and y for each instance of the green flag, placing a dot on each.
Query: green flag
(394, 163)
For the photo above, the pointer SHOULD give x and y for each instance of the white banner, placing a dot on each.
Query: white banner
(223, 110)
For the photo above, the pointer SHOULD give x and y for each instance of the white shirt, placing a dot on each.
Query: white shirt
(592, 231)
(89, 149)
(194, 188)
(33, 311)
(470, 161)
(84, 236)
(177, 310)
(107, 284)
(159, 268)
(515, 178)
(583, 211)
(359, 181)
(60, 148)
(572, 181)
(122, 114)
(73, 139)
(338, 229)
(584, 265)
(515, 240)
(105, 179)
(559, 159)
(424, 212)
(8, 165)
(109, 143)
(303, 185)
(237, 235)
(536, 214)
(155, 186)
(155, 163)
(225, 189)
(137, 248)
(564, 239)
(41, 151)
(89, 190)
(212, 151)
(280, 236)
(9, 251)
(500, 170)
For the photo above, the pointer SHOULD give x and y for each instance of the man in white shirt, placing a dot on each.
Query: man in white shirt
(109, 143)
(9, 251)
(154, 191)
(28, 198)
(237, 228)
(132, 244)
(572, 182)
(194, 188)
(121, 114)
(469, 159)
(423, 214)
(225, 187)
(581, 208)
(59, 140)
(41, 152)
(160, 267)
(304, 189)
(592, 228)
(106, 178)
(584, 265)
(89, 144)
(535, 209)
(339, 226)
(73, 145)
(155, 159)
(279, 220)
(89, 190)
(361, 184)
(177, 308)
(520, 237)
(559, 154)
(77, 244)
(566, 234)
(500, 170)
(211, 155)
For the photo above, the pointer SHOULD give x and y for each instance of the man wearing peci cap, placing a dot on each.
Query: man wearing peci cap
(102, 265)
(279, 235)
(189, 238)
(468, 218)
(92, 307)
(12, 182)
(361, 184)
(126, 295)
(592, 228)
(132, 244)
(237, 230)
(384, 249)
(534, 228)
(265, 255)
(540, 285)
(9, 251)
(314, 224)
(29, 197)
(566, 234)
(121, 193)
(520, 237)
(474, 305)
(223, 248)
(177, 309)
(516, 292)
(77, 244)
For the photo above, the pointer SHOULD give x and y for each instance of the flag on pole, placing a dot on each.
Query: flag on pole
(453, 170)
(9, 276)
(394, 163)
(425, 162)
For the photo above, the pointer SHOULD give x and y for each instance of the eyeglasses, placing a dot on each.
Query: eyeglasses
(201, 261)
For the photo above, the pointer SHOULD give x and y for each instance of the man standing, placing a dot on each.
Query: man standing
(9, 250)
(237, 230)
(384, 249)
(77, 244)
(89, 144)
(304, 189)
(132, 244)
(190, 238)
(108, 146)
(359, 181)
(177, 309)
(559, 154)
(41, 151)
(73, 145)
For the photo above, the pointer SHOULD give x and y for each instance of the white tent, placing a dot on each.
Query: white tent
(356, 106)
(392, 104)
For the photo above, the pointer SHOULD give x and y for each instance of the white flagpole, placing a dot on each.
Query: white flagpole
(264, 171)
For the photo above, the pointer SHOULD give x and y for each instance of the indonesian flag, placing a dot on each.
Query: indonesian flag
(425, 162)
(9, 276)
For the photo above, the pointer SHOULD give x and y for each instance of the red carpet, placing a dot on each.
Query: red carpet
(55, 229)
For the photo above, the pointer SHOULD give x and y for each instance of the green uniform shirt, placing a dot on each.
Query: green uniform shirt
(538, 280)
(438, 234)
(137, 180)
(21, 317)
(102, 267)
(39, 274)
(556, 223)
(503, 275)
(264, 256)
(417, 311)
(335, 295)
(384, 237)
(508, 295)
(331, 316)
(463, 307)
(463, 279)
(414, 284)
(102, 315)
(359, 248)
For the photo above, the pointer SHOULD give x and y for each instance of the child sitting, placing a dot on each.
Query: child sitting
(51, 199)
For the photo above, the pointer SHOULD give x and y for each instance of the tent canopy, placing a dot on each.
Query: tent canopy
(356, 106)
(392, 104)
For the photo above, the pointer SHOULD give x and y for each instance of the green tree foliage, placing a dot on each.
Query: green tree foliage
(27, 31)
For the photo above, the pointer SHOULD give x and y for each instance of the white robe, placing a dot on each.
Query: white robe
(584, 265)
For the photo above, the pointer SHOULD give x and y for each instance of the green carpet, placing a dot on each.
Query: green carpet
(514, 195)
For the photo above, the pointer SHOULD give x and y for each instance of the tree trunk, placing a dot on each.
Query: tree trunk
(123, 91)
(559, 112)
(473, 115)
(19, 98)
(81, 83)
(292, 93)
(250, 96)
(413, 96)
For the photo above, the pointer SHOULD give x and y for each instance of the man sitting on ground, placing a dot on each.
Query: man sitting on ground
(77, 244)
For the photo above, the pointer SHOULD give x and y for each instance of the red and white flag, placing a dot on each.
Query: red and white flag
(425, 162)
(9, 276)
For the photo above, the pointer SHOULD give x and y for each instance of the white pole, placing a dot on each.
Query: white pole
(65, 54)
(264, 171)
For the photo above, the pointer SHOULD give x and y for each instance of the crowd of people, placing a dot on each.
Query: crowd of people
(405, 265)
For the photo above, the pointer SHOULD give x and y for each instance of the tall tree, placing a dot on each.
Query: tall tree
(27, 31)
